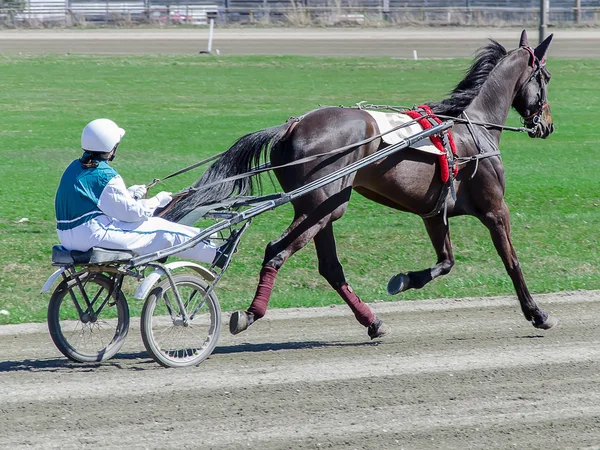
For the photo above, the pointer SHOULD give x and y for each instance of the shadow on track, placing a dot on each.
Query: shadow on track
(63, 364)
(144, 362)
(278, 346)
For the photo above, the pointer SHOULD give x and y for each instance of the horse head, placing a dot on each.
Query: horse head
(531, 99)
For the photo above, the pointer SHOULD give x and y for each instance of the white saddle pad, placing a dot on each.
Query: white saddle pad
(387, 121)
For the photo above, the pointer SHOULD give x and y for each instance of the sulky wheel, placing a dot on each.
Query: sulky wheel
(170, 340)
(92, 329)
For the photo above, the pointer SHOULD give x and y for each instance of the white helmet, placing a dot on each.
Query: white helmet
(101, 136)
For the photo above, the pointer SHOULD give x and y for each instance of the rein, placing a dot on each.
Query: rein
(186, 169)
(401, 109)
(267, 167)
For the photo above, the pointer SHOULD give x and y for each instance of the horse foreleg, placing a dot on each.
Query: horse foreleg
(498, 223)
(331, 269)
(439, 234)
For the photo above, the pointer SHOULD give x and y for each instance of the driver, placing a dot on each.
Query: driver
(95, 209)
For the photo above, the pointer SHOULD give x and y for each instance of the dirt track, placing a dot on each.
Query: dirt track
(454, 374)
(400, 43)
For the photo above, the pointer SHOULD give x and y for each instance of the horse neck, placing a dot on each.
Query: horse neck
(495, 98)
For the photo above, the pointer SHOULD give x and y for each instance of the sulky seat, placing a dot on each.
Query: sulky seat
(96, 255)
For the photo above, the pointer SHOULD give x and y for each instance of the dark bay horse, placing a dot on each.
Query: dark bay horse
(408, 180)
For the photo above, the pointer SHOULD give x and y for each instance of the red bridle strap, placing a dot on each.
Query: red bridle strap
(538, 112)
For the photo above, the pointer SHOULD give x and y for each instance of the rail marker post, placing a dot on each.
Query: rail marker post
(211, 25)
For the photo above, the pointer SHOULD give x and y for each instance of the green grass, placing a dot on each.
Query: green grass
(180, 109)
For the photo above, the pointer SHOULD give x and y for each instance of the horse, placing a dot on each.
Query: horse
(408, 181)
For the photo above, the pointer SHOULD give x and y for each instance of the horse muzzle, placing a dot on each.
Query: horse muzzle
(540, 124)
(540, 130)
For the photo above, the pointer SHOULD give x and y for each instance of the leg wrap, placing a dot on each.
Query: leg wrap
(360, 309)
(263, 292)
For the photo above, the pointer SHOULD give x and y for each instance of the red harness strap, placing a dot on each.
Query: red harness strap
(424, 116)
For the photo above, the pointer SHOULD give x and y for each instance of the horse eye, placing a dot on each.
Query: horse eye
(547, 76)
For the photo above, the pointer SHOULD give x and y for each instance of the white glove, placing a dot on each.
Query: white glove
(164, 198)
(137, 191)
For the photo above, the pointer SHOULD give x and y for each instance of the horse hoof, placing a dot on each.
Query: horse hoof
(239, 322)
(397, 284)
(377, 329)
(546, 324)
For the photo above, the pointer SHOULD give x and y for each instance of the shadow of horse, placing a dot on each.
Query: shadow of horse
(144, 362)
(282, 346)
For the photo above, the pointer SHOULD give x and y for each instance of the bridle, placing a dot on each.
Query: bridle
(539, 72)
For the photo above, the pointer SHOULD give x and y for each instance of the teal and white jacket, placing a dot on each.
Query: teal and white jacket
(95, 209)
(85, 194)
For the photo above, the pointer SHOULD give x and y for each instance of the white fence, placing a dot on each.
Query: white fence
(73, 12)
(287, 12)
(45, 10)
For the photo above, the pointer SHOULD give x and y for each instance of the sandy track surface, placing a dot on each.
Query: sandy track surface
(399, 43)
(467, 373)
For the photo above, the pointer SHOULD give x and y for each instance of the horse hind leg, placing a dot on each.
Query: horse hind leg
(302, 230)
(331, 269)
(439, 234)
(276, 253)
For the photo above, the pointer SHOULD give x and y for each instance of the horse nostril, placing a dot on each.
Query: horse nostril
(547, 131)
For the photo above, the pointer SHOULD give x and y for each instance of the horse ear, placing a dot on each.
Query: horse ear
(540, 50)
(524, 42)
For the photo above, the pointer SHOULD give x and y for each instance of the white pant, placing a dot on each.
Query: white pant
(143, 237)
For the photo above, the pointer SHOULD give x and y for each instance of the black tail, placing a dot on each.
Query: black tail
(241, 157)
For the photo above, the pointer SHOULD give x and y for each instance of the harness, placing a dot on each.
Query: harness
(449, 161)
(445, 143)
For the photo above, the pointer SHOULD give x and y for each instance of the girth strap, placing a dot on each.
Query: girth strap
(445, 143)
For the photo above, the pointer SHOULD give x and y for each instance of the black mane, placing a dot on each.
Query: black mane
(463, 94)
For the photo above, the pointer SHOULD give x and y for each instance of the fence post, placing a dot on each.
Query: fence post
(544, 6)
(468, 13)
(577, 11)
(211, 24)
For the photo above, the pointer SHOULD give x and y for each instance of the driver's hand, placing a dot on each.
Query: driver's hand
(138, 191)
(164, 198)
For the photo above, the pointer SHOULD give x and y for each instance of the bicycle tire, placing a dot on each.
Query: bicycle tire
(168, 341)
(84, 339)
